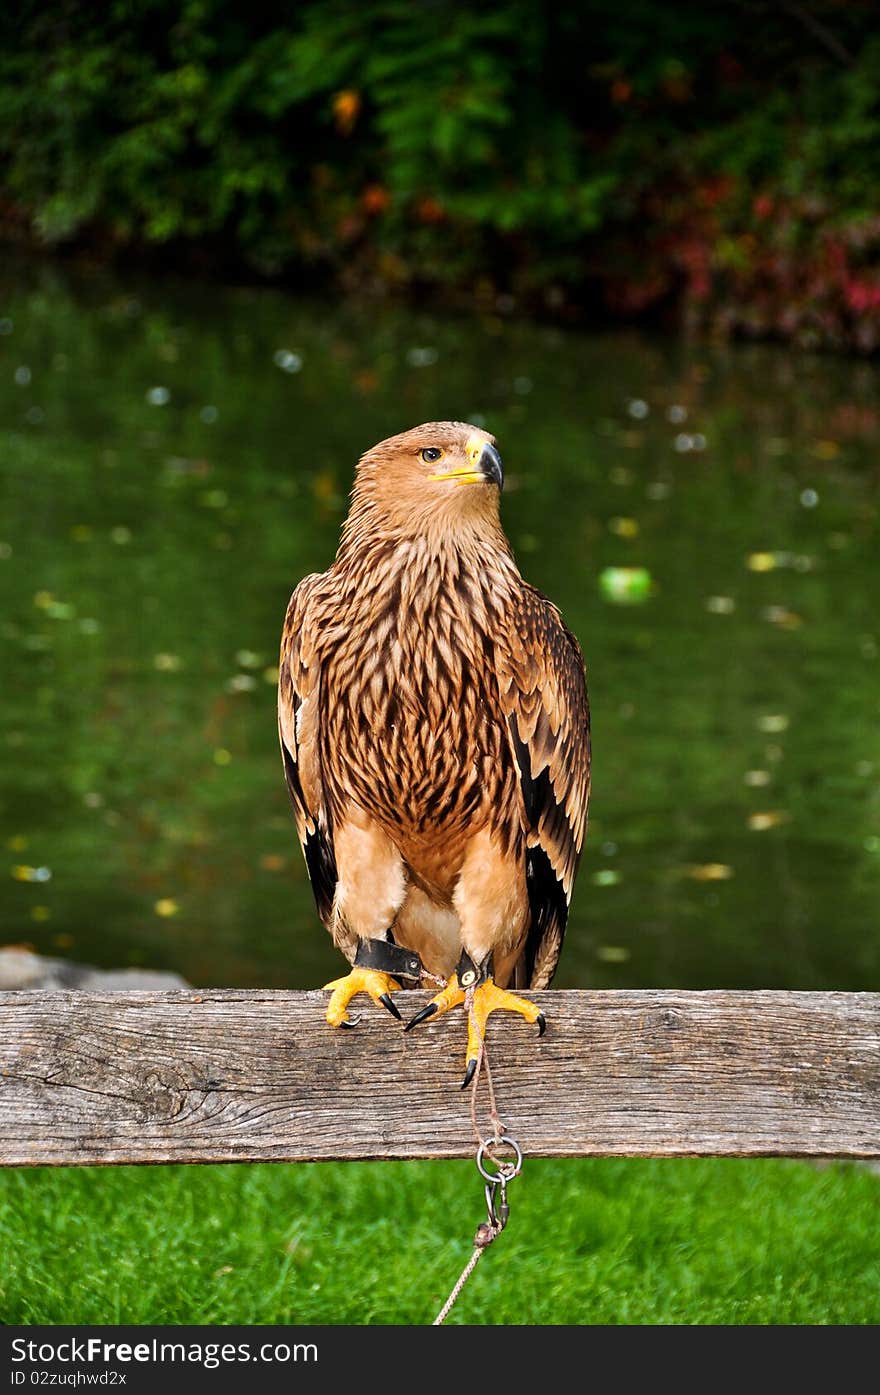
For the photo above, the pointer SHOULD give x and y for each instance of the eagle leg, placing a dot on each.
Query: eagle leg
(481, 996)
(378, 965)
(487, 998)
(379, 986)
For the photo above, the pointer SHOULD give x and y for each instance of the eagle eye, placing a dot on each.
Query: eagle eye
(431, 453)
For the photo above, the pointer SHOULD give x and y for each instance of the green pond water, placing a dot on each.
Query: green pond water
(174, 458)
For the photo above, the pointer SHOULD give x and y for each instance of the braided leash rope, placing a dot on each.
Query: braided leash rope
(497, 1212)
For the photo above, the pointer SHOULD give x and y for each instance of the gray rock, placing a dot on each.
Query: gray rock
(20, 968)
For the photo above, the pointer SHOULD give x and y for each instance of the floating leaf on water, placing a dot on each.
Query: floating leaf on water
(527, 542)
(770, 818)
(772, 722)
(421, 357)
(625, 585)
(708, 871)
(783, 617)
(637, 408)
(166, 906)
(167, 663)
(222, 756)
(247, 658)
(60, 610)
(825, 450)
(757, 779)
(324, 486)
(720, 605)
(366, 380)
(612, 954)
(23, 873)
(158, 396)
(272, 862)
(658, 489)
(287, 360)
(606, 876)
(214, 499)
(762, 561)
(624, 527)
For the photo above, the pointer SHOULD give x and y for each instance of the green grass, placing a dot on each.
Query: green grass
(589, 1242)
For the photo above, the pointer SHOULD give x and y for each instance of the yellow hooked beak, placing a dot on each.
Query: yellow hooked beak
(484, 466)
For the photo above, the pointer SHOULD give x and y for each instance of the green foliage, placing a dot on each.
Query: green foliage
(617, 143)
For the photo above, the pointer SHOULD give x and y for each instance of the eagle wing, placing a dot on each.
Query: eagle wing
(543, 692)
(299, 685)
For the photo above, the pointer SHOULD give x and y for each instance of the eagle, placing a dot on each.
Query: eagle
(435, 734)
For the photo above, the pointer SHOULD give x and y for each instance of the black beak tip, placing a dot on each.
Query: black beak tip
(492, 465)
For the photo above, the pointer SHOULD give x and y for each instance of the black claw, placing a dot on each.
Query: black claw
(469, 1074)
(387, 1001)
(542, 1024)
(422, 1016)
(350, 1022)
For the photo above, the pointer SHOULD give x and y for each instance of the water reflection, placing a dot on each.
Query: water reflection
(175, 458)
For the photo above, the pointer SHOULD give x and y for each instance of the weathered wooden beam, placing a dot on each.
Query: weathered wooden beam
(245, 1076)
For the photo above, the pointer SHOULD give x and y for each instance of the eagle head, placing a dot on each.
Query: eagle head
(441, 473)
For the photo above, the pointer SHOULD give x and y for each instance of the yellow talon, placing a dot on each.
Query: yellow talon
(379, 987)
(486, 999)
(450, 997)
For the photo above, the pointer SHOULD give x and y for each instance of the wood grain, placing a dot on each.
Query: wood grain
(244, 1076)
